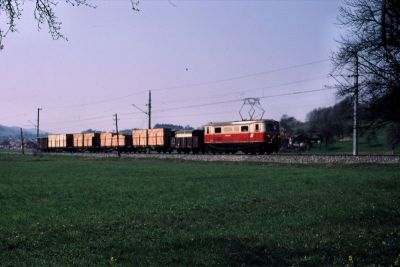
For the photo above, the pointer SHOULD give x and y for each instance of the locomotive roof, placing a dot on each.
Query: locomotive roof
(236, 122)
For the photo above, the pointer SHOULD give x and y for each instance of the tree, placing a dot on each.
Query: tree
(331, 122)
(321, 124)
(289, 123)
(44, 13)
(373, 36)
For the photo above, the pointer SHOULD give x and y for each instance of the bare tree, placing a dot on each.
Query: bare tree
(44, 14)
(373, 35)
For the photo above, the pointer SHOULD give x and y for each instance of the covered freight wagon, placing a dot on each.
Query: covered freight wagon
(188, 141)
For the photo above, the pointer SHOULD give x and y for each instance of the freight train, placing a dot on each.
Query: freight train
(258, 136)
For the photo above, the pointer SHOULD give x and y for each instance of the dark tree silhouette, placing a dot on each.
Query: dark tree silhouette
(373, 34)
(289, 123)
(44, 14)
(331, 122)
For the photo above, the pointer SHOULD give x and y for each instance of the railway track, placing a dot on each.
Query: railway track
(274, 158)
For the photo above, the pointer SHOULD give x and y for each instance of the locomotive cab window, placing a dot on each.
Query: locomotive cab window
(217, 130)
(244, 128)
(257, 127)
(208, 130)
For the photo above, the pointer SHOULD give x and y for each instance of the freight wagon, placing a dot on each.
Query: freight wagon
(60, 142)
(43, 143)
(86, 142)
(111, 141)
(152, 139)
(188, 141)
(260, 136)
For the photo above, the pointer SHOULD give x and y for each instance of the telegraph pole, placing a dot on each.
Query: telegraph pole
(22, 143)
(355, 115)
(37, 124)
(149, 113)
(149, 109)
(116, 129)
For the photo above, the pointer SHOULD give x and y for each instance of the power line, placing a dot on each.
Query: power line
(103, 118)
(218, 103)
(239, 100)
(208, 97)
(217, 81)
(253, 89)
(242, 76)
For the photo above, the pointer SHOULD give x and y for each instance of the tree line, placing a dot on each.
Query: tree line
(334, 123)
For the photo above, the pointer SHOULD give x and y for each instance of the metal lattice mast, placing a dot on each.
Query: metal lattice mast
(254, 104)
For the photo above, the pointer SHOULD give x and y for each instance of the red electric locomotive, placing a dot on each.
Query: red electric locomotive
(259, 136)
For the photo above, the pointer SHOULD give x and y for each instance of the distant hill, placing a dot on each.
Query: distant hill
(10, 132)
(173, 126)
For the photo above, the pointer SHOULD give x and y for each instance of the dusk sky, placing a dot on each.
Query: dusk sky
(191, 54)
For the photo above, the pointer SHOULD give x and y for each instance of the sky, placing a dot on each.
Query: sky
(199, 58)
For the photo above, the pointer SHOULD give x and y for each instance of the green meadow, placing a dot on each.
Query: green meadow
(74, 211)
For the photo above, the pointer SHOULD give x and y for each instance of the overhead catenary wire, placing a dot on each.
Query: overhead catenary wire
(246, 90)
(198, 84)
(101, 118)
(250, 90)
(204, 104)
(239, 100)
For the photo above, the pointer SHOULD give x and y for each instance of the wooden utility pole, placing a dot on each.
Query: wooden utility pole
(22, 143)
(149, 109)
(116, 129)
(355, 114)
(37, 124)
(149, 113)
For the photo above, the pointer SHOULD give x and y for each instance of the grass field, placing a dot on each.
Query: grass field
(66, 211)
(378, 146)
(346, 147)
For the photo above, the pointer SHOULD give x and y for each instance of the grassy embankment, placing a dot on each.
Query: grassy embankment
(77, 211)
(377, 146)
